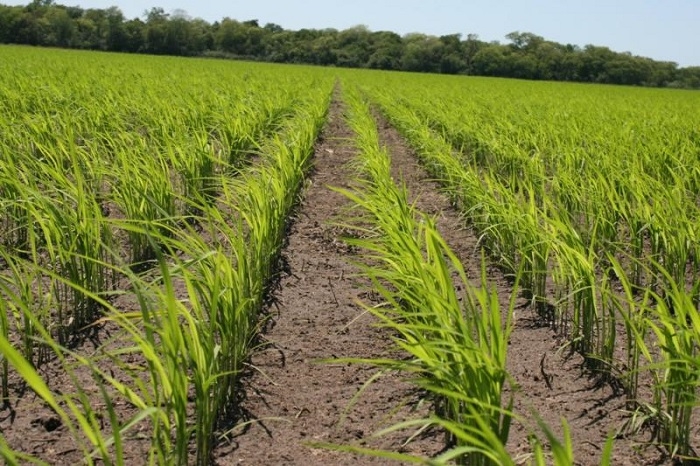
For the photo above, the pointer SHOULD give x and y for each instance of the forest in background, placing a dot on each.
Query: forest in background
(525, 55)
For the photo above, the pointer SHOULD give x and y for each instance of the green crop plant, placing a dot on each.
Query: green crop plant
(457, 352)
(210, 332)
(527, 145)
(634, 314)
(166, 183)
(25, 301)
(456, 342)
(587, 200)
(676, 324)
(169, 196)
(509, 226)
(75, 409)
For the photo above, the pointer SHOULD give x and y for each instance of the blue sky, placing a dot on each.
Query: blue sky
(660, 29)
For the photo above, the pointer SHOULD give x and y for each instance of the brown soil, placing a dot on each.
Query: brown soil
(293, 399)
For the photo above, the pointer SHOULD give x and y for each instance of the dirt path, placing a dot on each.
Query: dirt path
(291, 398)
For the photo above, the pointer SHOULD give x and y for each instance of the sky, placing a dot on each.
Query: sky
(667, 30)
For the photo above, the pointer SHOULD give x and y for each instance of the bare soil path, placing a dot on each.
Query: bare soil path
(292, 398)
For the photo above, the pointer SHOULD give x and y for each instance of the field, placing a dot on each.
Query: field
(216, 262)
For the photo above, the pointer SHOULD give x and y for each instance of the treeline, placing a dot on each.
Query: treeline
(525, 56)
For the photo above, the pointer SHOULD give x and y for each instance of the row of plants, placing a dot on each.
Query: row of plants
(600, 231)
(87, 163)
(155, 212)
(454, 332)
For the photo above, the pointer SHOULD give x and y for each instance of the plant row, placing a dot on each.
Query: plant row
(602, 237)
(156, 214)
(455, 333)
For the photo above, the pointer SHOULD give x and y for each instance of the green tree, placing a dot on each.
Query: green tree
(60, 28)
(422, 53)
(134, 36)
(688, 77)
(593, 63)
(470, 47)
(491, 60)
(115, 35)
(526, 55)
(452, 61)
(242, 39)
(324, 48)
(155, 32)
(387, 51)
(354, 47)
(11, 23)
(202, 37)
(524, 41)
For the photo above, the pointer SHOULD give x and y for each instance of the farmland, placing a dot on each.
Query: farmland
(215, 262)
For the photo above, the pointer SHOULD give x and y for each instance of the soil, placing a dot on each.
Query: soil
(295, 395)
(292, 398)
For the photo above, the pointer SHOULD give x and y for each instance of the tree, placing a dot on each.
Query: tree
(273, 28)
(422, 53)
(134, 36)
(688, 77)
(242, 39)
(202, 38)
(156, 33)
(354, 47)
(98, 28)
(470, 48)
(662, 73)
(593, 62)
(115, 35)
(524, 41)
(324, 48)
(11, 23)
(491, 60)
(387, 51)
(452, 61)
(526, 55)
(60, 28)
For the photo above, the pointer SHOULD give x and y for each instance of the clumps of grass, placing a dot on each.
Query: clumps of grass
(599, 216)
(456, 344)
(153, 207)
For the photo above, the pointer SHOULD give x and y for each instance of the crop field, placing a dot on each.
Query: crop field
(217, 262)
